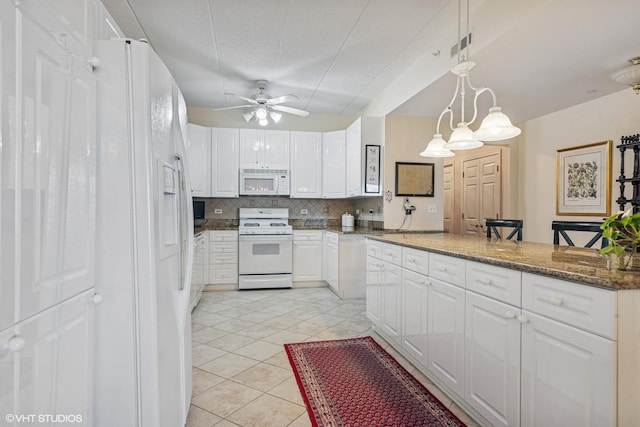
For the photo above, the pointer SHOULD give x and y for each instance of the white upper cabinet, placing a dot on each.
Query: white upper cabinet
(306, 165)
(353, 169)
(224, 162)
(264, 149)
(199, 157)
(333, 164)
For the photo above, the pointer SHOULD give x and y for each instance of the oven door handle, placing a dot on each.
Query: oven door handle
(265, 237)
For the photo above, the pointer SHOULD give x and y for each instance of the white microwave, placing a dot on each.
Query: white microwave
(264, 182)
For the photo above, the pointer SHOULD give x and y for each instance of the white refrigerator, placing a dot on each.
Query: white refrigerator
(145, 241)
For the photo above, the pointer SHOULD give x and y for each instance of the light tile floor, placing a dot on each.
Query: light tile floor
(241, 374)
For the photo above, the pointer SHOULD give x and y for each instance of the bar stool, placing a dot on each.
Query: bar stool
(492, 225)
(560, 228)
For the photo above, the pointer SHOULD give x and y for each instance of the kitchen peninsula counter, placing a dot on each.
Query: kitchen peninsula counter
(570, 263)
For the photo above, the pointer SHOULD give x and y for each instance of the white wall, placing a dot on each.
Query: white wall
(606, 118)
(233, 119)
(405, 138)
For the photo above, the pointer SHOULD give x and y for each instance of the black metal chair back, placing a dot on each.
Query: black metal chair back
(493, 224)
(560, 228)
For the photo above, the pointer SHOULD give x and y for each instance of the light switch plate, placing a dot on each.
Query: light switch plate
(432, 209)
(304, 211)
(217, 211)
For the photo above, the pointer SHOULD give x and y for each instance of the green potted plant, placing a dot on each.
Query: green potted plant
(622, 231)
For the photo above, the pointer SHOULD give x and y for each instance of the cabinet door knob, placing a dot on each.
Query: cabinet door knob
(97, 298)
(486, 281)
(15, 343)
(556, 301)
(523, 319)
(510, 315)
(443, 269)
(94, 62)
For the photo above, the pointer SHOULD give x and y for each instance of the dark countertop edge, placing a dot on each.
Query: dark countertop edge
(356, 230)
(599, 282)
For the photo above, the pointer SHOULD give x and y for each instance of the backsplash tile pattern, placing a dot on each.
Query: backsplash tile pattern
(318, 209)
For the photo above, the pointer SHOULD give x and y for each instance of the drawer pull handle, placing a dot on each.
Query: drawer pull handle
(486, 281)
(510, 315)
(556, 301)
(443, 269)
(412, 261)
(523, 319)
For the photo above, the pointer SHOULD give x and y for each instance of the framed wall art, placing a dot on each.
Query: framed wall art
(372, 169)
(414, 179)
(583, 180)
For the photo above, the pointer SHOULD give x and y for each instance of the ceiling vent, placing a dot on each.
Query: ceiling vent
(467, 40)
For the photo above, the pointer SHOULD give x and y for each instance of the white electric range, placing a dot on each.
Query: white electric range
(265, 248)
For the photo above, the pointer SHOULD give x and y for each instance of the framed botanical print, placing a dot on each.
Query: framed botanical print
(583, 180)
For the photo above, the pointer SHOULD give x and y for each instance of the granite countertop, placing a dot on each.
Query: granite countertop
(571, 263)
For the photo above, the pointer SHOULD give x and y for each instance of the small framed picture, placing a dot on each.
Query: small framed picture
(583, 180)
(372, 171)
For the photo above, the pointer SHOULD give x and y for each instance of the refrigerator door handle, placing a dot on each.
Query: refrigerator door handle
(181, 219)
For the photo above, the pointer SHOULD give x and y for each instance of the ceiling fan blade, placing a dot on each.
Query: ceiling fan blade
(233, 108)
(252, 101)
(282, 99)
(290, 110)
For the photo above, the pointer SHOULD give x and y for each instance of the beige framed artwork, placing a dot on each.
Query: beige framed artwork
(583, 180)
(414, 179)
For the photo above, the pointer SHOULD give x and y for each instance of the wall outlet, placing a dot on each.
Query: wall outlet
(217, 211)
(432, 209)
(304, 211)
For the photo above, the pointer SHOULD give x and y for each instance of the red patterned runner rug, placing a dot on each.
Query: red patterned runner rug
(355, 382)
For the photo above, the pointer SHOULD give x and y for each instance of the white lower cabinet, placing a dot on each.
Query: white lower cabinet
(415, 290)
(198, 276)
(514, 349)
(492, 359)
(307, 255)
(331, 260)
(223, 257)
(344, 259)
(373, 291)
(568, 375)
(445, 334)
(391, 292)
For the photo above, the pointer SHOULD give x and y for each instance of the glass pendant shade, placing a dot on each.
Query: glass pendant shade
(275, 116)
(462, 139)
(496, 127)
(263, 122)
(248, 116)
(435, 148)
(261, 113)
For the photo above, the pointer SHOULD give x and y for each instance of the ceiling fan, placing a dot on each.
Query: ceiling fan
(262, 106)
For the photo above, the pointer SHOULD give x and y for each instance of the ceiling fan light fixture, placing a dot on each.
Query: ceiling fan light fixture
(248, 116)
(261, 113)
(275, 116)
(263, 122)
(435, 148)
(629, 75)
(496, 127)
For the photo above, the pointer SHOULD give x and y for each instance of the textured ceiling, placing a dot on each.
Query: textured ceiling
(338, 56)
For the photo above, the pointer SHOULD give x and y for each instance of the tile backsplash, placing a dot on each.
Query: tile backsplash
(317, 209)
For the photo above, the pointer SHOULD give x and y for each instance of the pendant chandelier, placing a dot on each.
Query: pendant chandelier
(496, 126)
